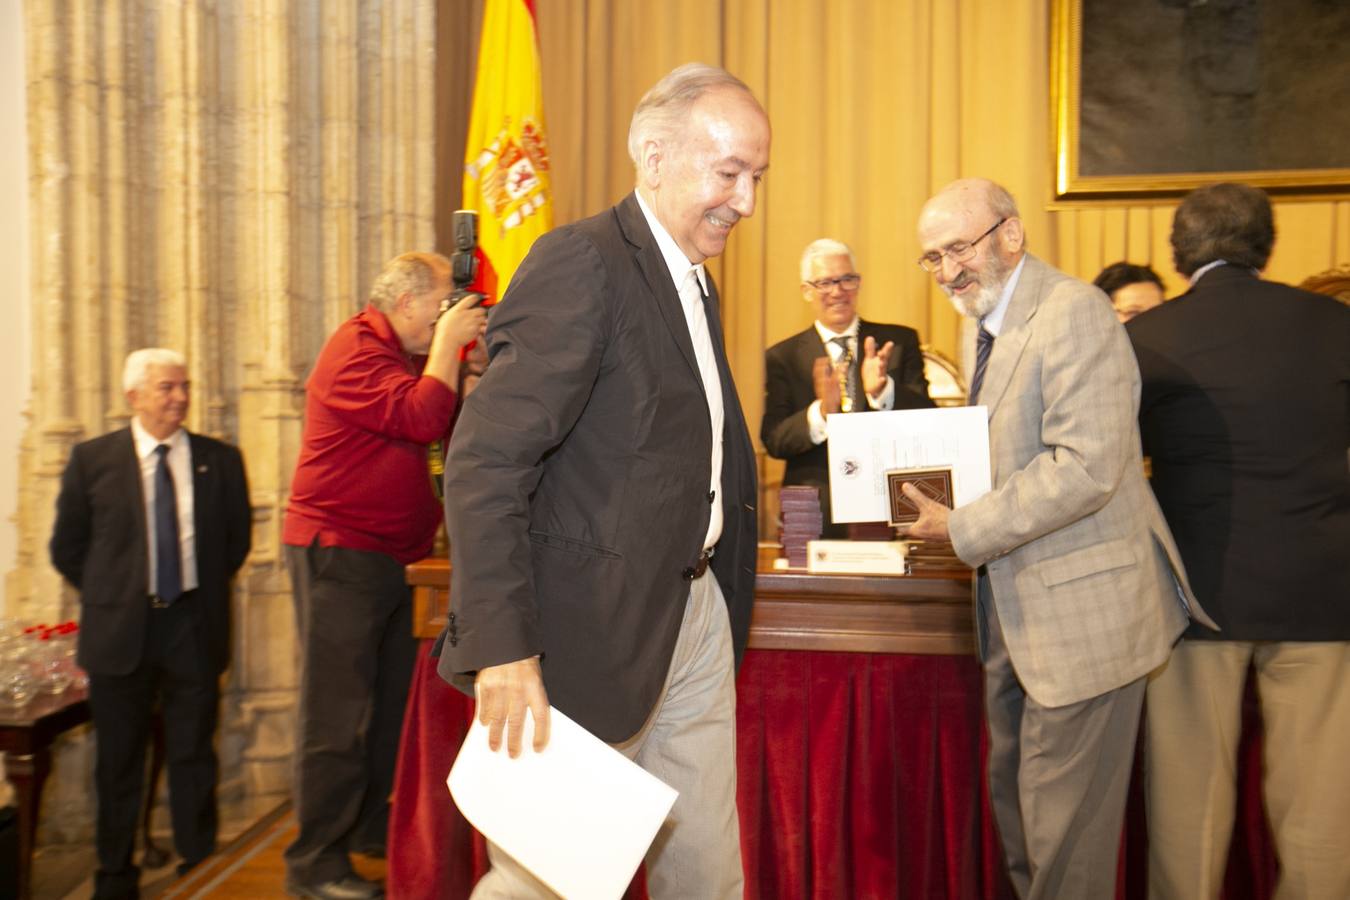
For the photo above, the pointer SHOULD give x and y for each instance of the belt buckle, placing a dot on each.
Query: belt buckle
(698, 568)
(158, 602)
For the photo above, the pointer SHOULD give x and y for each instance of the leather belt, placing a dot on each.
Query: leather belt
(698, 568)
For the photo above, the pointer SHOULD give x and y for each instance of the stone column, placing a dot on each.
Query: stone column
(224, 178)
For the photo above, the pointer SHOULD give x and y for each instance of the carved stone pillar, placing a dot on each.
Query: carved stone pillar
(224, 178)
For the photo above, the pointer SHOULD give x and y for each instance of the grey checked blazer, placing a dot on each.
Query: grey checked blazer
(1085, 575)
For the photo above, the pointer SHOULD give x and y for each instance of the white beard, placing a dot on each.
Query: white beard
(987, 297)
(978, 306)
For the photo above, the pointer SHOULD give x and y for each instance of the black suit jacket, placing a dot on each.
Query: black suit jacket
(99, 545)
(789, 389)
(577, 478)
(1245, 411)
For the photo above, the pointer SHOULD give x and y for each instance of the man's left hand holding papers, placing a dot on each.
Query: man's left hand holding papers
(503, 693)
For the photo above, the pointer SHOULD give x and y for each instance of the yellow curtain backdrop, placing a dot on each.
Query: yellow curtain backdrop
(874, 104)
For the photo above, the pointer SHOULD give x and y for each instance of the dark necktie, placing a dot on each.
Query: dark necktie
(168, 564)
(848, 393)
(983, 345)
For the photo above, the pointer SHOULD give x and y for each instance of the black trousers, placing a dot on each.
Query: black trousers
(353, 614)
(175, 672)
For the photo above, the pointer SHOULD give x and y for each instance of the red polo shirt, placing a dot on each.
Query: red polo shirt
(362, 480)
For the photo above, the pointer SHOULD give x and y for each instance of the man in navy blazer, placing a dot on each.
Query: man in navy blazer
(1245, 412)
(600, 486)
(840, 364)
(154, 625)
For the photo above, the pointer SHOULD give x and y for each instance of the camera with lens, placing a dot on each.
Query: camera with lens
(464, 261)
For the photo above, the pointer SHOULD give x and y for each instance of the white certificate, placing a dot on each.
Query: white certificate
(863, 447)
(579, 815)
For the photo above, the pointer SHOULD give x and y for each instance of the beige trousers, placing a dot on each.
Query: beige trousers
(1194, 720)
(689, 742)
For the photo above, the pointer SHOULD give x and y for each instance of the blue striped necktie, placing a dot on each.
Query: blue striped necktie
(983, 345)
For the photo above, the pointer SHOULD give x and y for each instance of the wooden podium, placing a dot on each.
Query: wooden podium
(860, 750)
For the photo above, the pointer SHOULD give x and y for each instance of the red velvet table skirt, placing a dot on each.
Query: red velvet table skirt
(859, 776)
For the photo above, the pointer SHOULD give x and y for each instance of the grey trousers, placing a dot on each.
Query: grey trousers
(1194, 722)
(1058, 778)
(689, 742)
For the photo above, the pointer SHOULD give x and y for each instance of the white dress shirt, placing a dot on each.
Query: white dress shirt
(1207, 267)
(691, 284)
(180, 467)
(993, 323)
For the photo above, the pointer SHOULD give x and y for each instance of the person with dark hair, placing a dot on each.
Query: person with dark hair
(152, 523)
(1080, 591)
(600, 494)
(1132, 288)
(1224, 223)
(841, 364)
(1245, 411)
(363, 506)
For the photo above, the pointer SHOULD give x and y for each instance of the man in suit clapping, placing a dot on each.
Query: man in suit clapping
(840, 364)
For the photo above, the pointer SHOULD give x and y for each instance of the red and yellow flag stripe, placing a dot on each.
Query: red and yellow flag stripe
(506, 162)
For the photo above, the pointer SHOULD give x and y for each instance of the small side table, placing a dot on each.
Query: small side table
(26, 735)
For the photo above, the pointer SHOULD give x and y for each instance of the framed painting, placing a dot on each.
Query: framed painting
(1151, 98)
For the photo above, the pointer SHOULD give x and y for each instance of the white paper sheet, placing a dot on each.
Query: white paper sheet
(863, 447)
(579, 815)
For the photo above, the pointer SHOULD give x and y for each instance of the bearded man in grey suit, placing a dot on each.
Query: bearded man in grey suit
(1080, 590)
(600, 488)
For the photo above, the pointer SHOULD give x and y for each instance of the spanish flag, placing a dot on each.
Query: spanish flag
(506, 168)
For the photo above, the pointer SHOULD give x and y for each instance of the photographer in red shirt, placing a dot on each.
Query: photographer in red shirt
(362, 507)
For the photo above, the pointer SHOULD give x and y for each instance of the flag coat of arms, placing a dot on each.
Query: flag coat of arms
(506, 164)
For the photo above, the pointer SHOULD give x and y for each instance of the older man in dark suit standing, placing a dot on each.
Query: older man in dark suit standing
(601, 485)
(152, 522)
(840, 364)
(1246, 415)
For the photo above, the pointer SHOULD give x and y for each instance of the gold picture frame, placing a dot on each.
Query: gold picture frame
(1164, 100)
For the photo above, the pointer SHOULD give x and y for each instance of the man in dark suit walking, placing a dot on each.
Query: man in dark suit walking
(1245, 411)
(840, 364)
(152, 522)
(600, 487)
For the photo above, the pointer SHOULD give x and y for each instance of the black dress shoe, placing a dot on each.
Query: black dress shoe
(155, 857)
(348, 887)
(123, 885)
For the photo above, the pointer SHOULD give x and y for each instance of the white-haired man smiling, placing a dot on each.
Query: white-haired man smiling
(152, 522)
